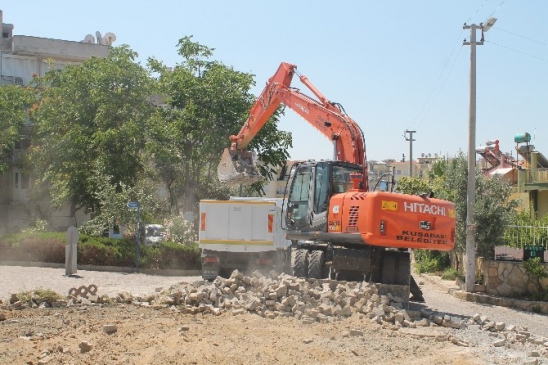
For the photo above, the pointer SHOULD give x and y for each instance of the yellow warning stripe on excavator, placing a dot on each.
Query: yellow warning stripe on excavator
(237, 242)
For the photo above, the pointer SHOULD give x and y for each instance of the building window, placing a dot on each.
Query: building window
(22, 144)
(398, 172)
(21, 181)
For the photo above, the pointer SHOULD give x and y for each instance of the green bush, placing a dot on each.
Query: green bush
(431, 261)
(34, 246)
(452, 274)
(172, 256)
(103, 251)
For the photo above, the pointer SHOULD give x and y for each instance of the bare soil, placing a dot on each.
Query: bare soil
(147, 335)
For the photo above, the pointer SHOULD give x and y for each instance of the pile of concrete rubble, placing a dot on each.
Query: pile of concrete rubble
(308, 300)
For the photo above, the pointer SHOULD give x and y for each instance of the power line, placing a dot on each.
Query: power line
(497, 8)
(522, 36)
(518, 51)
(431, 99)
(477, 10)
(432, 96)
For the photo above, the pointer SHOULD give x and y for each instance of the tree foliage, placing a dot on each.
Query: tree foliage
(206, 103)
(113, 199)
(91, 121)
(448, 179)
(14, 103)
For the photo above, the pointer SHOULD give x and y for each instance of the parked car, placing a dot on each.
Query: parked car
(154, 234)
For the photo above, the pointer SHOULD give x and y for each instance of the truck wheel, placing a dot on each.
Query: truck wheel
(316, 264)
(299, 262)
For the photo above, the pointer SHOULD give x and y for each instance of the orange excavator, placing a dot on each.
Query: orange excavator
(339, 227)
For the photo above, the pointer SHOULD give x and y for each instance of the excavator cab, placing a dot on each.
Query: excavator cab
(311, 185)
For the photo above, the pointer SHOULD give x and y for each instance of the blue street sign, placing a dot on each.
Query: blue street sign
(133, 205)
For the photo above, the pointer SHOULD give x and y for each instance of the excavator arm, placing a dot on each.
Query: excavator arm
(327, 117)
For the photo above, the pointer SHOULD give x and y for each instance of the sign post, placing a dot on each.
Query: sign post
(136, 206)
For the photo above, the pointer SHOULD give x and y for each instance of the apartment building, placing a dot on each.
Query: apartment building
(21, 57)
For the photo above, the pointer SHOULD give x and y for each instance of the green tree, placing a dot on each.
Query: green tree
(113, 199)
(14, 104)
(206, 103)
(413, 185)
(494, 210)
(90, 122)
(448, 180)
(493, 207)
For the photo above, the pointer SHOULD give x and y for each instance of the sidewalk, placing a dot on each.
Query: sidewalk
(18, 278)
(452, 288)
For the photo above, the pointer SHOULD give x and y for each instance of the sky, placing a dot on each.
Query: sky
(394, 65)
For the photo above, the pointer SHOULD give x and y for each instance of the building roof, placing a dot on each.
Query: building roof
(500, 171)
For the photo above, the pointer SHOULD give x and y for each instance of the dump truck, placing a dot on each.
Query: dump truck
(244, 234)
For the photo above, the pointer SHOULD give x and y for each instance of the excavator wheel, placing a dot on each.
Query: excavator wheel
(299, 262)
(316, 264)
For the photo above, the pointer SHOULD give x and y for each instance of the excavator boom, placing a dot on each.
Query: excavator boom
(238, 166)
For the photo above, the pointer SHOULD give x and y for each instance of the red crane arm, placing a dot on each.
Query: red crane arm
(325, 116)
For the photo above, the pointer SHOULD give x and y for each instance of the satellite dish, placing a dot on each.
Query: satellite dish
(109, 38)
(422, 154)
(429, 155)
(99, 37)
(89, 39)
(435, 155)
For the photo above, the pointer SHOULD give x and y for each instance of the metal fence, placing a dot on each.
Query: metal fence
(522, 236)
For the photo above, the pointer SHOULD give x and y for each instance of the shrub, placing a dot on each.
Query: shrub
(431, 261)
(39, 295)
(103, 251)
(172, 256)
(452, 274)
(34, 246)
(536, 271)
(179, 230)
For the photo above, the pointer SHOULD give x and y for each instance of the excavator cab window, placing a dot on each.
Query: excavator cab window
(321, 190)
(341, 178)
(298, 199)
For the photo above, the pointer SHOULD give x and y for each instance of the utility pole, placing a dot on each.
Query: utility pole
(410, 140)
(470, 264)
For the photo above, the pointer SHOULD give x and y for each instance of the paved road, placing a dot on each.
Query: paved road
(438, 299)
(15, 279)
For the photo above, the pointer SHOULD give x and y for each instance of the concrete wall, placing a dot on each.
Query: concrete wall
(508, 279)
(57, 48)
(542, 199)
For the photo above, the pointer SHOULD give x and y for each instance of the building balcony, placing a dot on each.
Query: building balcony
(536, 179)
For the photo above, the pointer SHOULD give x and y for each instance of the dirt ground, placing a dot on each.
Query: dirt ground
(164, 336)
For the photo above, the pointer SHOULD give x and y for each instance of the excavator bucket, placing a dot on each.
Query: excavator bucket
(238, 167)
